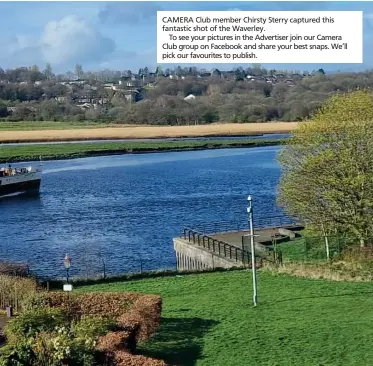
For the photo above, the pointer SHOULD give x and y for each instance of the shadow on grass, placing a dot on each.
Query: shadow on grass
(178, 341)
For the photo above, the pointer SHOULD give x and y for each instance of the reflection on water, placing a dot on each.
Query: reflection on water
(123, 210)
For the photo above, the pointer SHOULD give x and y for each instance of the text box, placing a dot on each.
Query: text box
(259, 37)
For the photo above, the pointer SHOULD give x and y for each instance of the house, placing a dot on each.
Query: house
(109, 85)
(133, 95)
(204, 75)
(84, 106)
(190, 97)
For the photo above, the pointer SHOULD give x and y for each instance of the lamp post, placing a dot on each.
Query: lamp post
(67, 264)
(253, 264)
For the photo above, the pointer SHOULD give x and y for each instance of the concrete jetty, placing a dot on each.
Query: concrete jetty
(198, 249)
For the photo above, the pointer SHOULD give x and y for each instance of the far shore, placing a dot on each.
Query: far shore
(120, 132)
(9, 154)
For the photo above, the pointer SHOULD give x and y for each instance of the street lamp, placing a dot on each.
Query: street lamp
(253, 264)
(67, 264)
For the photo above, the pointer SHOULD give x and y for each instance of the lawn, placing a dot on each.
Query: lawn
(12, 153)
(208, 319)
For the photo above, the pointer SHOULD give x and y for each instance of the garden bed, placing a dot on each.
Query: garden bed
(70, 328)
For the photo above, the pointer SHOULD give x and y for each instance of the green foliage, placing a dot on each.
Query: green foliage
(29, 323)
(252, 94)
(92, 326)
(19, 354)
(44, 337)
(35, 300)
(326, 168)
(14, 289)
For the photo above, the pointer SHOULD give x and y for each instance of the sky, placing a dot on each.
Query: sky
(122, 35)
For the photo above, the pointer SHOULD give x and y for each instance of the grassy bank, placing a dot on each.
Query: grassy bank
(78, 150)
(48, 125)
(208, 319)
(64, 131)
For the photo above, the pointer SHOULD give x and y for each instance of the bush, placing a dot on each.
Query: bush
(31, 322)
(35, 300)
(78, 329)
(20, 354)
(93, 326)
(96, 303)
(13, 290)
(14, 269)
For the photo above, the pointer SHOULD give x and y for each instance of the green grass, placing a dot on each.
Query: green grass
(47, 125)
(208, 319)
(76, 150)
(294, 250)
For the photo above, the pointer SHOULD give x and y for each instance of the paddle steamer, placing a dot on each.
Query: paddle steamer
(20, 180)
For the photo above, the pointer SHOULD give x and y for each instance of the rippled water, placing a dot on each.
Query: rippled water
(124, 210)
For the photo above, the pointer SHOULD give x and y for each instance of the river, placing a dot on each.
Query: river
(122, 211)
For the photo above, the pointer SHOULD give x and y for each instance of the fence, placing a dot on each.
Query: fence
(219, 247)
(315, 247)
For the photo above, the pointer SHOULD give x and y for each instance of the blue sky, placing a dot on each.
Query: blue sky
(122, 35)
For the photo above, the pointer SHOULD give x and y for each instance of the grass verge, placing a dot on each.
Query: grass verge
(208, 319)
(78, 150)
(47, 125)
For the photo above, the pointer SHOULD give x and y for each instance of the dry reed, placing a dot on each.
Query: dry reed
(134, 132)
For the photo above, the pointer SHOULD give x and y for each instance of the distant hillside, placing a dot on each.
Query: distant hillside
(180, 96)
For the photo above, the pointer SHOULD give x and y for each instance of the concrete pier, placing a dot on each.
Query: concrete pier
(196, 251)
(190, 257)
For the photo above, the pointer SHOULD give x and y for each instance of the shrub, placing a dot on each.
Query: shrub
(31, 322)
(123, 358)
(13, 269)
(60, 328)
(13, 290)
(95, 303)
(93, 326)
(35, 300)
(20, 354)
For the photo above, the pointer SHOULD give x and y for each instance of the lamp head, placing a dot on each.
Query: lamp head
(67, 261)
(249, 198)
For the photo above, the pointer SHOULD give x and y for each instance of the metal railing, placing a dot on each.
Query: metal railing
(219, 247)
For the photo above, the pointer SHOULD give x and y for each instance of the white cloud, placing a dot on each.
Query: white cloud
(62, 43)
(129, 12)
(73, 39)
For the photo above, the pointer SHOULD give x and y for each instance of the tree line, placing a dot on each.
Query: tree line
(176, 96)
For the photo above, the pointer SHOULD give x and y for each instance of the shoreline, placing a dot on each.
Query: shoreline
(142, 148)
(129, 139)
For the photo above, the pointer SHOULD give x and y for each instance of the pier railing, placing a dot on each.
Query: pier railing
(219, 247)
(259, 223)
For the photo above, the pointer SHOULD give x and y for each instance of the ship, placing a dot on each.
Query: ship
(23, 180)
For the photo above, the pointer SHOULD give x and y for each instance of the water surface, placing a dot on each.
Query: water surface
(124, 210)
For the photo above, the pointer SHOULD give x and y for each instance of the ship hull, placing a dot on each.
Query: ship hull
(30, 187)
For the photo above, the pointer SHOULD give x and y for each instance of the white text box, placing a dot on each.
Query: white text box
(259, 37)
